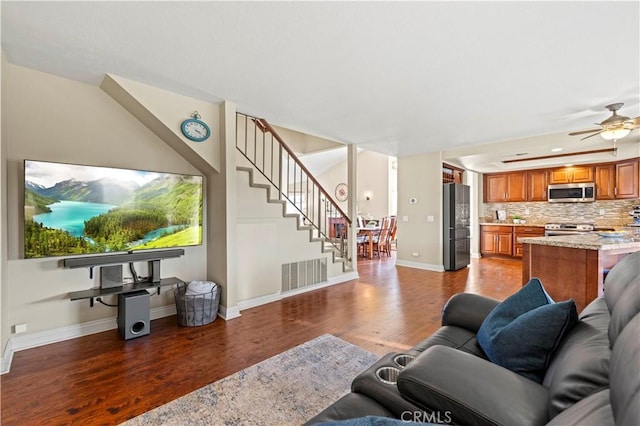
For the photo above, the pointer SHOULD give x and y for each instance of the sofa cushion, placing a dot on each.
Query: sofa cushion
(624, 375)
(522, 332)
(626, 308)
(467, 310)
(453, 337)
(593, 410)
(620, 276)
(597, 314)
(580, 365)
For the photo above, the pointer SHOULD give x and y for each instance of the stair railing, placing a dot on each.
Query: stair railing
(267, 152)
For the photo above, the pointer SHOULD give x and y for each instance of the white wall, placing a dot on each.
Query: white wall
(55, 119)
(373, 178)
(302, 143)
(162, 112)
(5, 327)
(266, 240)
(420, 241)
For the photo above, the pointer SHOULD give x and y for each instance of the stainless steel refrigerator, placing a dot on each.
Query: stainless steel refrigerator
(456, 226)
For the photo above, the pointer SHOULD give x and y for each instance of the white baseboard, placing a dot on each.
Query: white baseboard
(32, 340)
(261, 300)
(274, 297)
(7, 357)
(476, 255)
(21, 342)
(228, 313)
(418, 265)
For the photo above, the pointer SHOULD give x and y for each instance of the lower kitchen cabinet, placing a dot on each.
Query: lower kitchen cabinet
(524, 231)
(503, 239)
(496, 240)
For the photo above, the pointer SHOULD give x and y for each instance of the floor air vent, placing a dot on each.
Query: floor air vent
(305, 273)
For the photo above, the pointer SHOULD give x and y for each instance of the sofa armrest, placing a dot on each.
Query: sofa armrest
(467, 310)
(471, 390)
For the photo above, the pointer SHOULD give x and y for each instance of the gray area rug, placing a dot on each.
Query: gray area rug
(287, 389)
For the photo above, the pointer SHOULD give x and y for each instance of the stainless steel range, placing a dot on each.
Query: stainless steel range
(551, 229)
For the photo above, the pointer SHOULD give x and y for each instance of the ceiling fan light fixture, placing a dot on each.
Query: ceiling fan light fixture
(614, 134)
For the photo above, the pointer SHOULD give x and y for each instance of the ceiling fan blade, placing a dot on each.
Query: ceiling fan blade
(632, 123)
(590, 136)
(582, 132)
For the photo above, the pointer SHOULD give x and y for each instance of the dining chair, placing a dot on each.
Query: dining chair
(362, 240)
(380, 241)
(393, 243)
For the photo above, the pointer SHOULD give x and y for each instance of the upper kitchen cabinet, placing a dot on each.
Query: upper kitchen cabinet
(616, 181)
(574, 174)
(501, 187)
(537, 182)
(627, 179)
(605, 181)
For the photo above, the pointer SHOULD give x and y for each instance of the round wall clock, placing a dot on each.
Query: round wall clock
(342, 192)
(195, 129)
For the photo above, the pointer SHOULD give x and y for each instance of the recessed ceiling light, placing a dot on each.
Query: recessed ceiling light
(556, 149)
(568, 165)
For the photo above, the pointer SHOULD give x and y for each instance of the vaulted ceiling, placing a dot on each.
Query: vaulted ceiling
(482, 81)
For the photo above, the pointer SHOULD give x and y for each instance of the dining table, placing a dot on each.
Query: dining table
(369, 231)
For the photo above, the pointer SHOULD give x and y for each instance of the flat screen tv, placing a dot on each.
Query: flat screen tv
(72, 209)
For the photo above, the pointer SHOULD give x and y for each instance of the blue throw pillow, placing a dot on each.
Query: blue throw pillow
(523, 331)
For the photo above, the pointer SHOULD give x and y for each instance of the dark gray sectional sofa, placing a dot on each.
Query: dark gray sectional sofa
(593, 377)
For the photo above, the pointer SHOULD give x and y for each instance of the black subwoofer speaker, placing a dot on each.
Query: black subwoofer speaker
(133, 314)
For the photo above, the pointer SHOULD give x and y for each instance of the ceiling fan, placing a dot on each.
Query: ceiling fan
(613, 128)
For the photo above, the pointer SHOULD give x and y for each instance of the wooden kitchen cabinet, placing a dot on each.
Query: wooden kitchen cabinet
(502, 187)
(524, 231)
(517, 186)
(573, 174)
(605, 182)
(627, 179)
(615, 180)
(537, 182)
(495, 188)
(496, 240)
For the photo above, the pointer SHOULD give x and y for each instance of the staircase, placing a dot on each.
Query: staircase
(273, 166)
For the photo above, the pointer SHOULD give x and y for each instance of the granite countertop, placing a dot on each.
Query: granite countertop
(624, 227)
(589, 241)
(539, 225)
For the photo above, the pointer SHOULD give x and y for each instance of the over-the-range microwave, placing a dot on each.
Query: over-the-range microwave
(572, 193)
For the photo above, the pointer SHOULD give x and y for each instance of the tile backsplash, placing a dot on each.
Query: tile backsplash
(601, 213)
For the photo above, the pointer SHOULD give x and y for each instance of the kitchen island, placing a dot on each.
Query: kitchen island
(574, 266)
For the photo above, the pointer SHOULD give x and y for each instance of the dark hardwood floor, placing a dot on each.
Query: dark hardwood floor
(102, 379)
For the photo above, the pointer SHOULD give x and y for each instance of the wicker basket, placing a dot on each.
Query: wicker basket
(195, 310)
